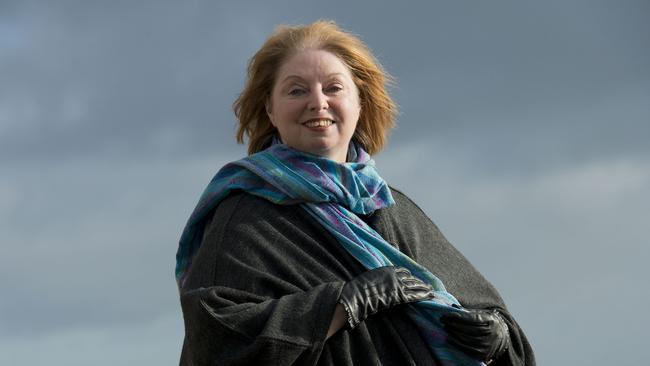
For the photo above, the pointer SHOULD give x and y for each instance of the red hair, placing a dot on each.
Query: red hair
(378, 111)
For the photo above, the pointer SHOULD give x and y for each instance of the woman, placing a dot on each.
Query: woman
(301, 254)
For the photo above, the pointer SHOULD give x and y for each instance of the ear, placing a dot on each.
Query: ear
(267, 106)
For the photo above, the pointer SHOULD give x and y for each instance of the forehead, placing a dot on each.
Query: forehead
(313, 64)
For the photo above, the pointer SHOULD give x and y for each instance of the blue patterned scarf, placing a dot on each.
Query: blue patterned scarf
(333, 194)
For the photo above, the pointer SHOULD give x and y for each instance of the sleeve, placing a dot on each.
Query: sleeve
(520, 353)
(417, 236)
(254, 297)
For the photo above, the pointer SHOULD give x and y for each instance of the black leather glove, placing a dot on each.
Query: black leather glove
(482, 334)
(380, 289)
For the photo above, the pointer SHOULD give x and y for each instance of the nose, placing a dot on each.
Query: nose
(318, 101)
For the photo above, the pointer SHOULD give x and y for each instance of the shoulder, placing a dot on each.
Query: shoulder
(240, 200)
(414, 230)
(401, 199)
(241, 208)
(406, 209)
(245, 232)
(243, 217)
(406, 226)
(249, 236)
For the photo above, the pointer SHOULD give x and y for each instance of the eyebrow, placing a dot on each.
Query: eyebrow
(297, 77)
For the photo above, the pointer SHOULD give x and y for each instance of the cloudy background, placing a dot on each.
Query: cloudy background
(523, 133)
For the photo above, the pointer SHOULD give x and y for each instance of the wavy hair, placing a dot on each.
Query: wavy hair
(378, 110)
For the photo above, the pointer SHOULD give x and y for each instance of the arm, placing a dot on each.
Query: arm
(253, 296)
(413, 232)
(256, 331)
(338, 320)
(520, 351)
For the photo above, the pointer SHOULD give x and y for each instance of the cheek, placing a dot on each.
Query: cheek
(286, 110)
(352, 111)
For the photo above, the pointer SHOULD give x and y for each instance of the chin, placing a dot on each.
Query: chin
(324, 149)
(330, 154)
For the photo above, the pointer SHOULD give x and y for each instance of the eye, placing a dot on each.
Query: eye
(296, 91)
(335, 88)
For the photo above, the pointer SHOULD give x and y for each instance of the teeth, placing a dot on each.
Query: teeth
(319, 123)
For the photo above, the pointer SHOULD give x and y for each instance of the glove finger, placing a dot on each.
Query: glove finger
(402, 272)
(469, 341)
(454, 318)
(415, 283)
(420, 296)
(476, 353)
(425, 293)
(417, 293)
(468, 318)
(469, 328)
(476, 340)
(470, 338)
(410, 280)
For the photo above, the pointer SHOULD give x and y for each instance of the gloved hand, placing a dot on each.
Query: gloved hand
(380, 289)
(482, 334)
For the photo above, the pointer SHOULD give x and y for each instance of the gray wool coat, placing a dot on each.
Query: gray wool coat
(264, 285)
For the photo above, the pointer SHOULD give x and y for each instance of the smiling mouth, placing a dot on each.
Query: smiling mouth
(319, 123)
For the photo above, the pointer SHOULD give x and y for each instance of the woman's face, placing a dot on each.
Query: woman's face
(315, 104)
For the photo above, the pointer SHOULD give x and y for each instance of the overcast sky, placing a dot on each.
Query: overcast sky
(523, 132)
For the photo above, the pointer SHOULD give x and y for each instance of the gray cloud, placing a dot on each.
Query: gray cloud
(94, 241)
(564, 246)
(139, 79)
